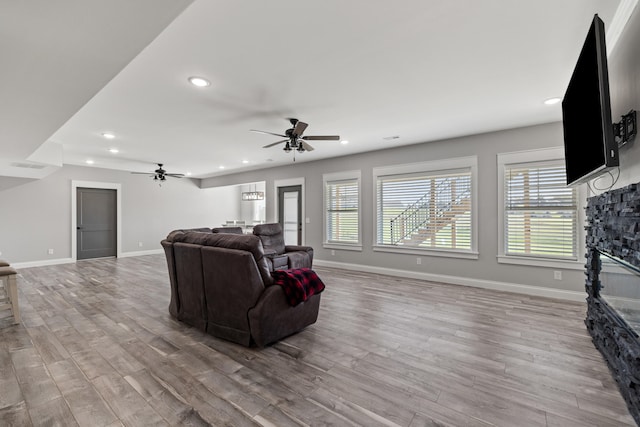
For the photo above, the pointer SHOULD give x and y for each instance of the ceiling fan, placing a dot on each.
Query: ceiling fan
(160, 174)
(294, 139)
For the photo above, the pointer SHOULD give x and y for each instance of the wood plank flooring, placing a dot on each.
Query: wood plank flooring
(97, 347)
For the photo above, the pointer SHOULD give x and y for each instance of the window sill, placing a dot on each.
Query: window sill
(541, 262)
(342, 246)
(426, 252)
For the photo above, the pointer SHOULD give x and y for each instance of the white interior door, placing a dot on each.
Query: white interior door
(290, 216)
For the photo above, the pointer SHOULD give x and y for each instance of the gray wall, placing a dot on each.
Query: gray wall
(485, 147)
(36, 216)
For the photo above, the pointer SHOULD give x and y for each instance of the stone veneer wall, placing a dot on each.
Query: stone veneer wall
(613, 221)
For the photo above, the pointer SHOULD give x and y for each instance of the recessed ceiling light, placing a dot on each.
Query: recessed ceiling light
(220, 167)
(245, 161)
(188, 173)
(344, 142)
(108, 135)
(552, 101)
(114, 150)
(199, 81)
(89, 162)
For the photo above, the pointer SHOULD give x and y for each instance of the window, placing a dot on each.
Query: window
(539, 211)
(427, 206)
(342, 210)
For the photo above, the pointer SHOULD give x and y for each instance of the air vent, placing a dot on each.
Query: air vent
(28, 165)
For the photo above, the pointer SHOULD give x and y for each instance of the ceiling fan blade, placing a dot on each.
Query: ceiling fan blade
(174, 175)
(143, 173)
(267, 133)
(299, 129)
(275, 143)
(306, 146)
(322, 138)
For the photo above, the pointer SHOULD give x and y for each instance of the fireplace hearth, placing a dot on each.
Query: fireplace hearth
(613, 286)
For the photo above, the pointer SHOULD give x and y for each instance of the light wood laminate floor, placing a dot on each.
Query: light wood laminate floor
(97, 347)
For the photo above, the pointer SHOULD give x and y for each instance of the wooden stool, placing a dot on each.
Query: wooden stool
(9, 291)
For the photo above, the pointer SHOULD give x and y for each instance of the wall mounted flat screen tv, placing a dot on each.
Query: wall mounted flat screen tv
(589, 143)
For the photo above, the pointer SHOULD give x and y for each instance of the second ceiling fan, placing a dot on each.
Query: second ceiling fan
(294, 139)
(160, 174)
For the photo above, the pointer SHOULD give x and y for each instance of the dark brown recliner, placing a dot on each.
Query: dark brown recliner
(280, 256)
(221, 284)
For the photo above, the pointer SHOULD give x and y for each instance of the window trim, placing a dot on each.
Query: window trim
(341, 176)
(536, 156)
(444, 165)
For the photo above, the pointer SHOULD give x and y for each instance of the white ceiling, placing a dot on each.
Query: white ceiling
(423, 70)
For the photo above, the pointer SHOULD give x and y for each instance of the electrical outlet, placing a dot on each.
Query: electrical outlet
(557, 275)
(333, 252)
(50, 251)
(307, 220)
(418, 260)
(139, 244)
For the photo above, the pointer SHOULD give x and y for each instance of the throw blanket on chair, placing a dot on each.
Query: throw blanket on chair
(299, 284)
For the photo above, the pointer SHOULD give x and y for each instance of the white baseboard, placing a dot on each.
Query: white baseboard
(141, 253)
(42, 263)
(45, 262)
(456, 280)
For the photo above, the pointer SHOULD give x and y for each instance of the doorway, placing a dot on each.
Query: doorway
(96, 223)
(290, 213)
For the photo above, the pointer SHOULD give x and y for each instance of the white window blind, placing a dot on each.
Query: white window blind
(425, 210)
(342, 219)
(540, 211)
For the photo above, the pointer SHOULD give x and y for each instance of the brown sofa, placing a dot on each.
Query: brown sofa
(221, 284)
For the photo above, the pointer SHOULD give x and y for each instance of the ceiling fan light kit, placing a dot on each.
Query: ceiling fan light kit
(294, 141)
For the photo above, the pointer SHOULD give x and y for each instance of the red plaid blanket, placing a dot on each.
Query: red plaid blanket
(298, 284)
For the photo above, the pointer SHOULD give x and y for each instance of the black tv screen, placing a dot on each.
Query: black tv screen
(589, 144)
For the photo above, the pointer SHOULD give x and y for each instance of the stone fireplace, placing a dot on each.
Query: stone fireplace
(613, 286)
